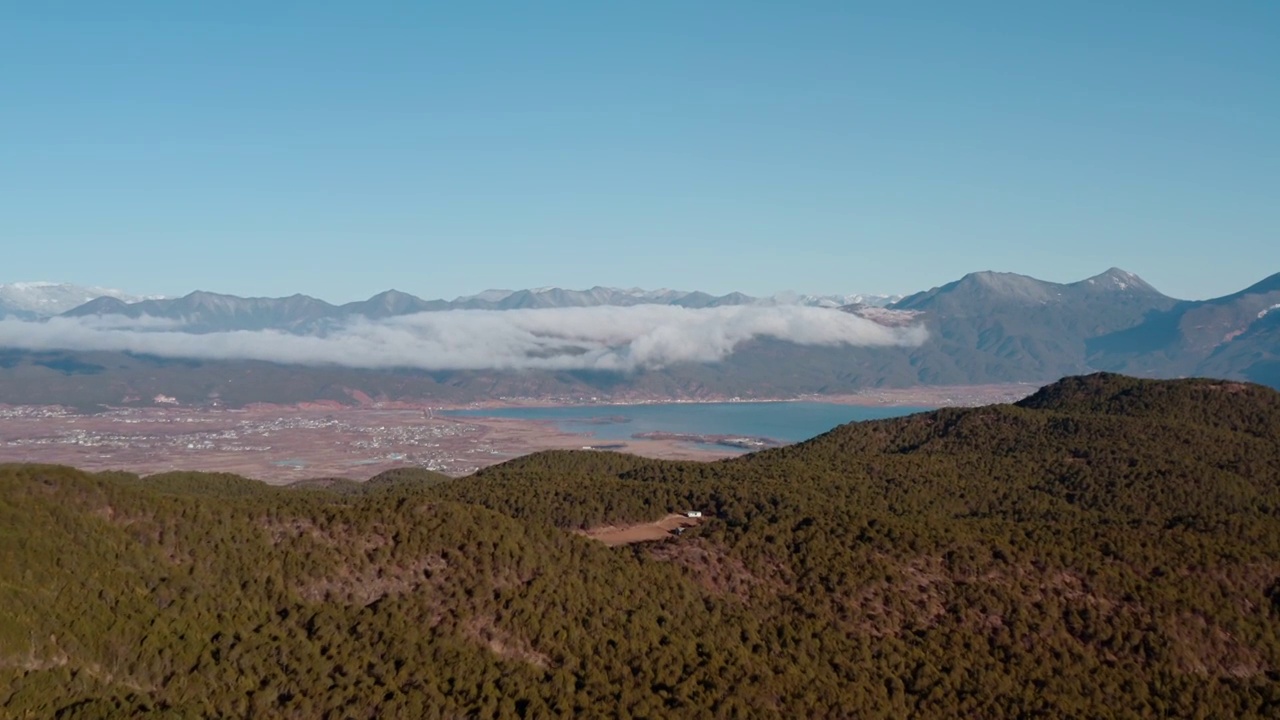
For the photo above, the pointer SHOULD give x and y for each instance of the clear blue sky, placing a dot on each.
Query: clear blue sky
(339, 149)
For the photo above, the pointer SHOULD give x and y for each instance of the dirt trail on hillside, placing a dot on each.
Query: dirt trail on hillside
(613, 535)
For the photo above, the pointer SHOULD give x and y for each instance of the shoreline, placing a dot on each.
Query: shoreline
(924, 396)
(281, 444)
(931, 396)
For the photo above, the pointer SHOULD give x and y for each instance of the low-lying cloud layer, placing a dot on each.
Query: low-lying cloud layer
(595, 338)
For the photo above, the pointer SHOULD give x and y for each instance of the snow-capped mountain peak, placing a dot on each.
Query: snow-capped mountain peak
(832, 301)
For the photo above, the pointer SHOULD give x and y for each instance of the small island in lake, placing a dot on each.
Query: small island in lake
(604, 420)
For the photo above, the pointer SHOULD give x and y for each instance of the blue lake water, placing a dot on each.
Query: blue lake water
(785, 421)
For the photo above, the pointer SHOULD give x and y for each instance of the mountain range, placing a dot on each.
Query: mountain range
(203, 311)
(985, 328)
(990, 327)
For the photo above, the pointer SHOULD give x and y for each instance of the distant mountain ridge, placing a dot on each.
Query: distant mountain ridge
(202, 311)
(985, 328)
(558, 297)
(980, 290)
(1114, 321)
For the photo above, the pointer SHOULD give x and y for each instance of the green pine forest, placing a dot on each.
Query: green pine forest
(1108, 547)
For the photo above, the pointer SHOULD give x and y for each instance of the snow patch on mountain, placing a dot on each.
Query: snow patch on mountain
(45, 299)
(492, 295)
(561, 297)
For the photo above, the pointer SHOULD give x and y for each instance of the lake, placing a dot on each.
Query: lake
(784, 421)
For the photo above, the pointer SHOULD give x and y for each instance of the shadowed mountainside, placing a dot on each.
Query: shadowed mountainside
(1235, 333)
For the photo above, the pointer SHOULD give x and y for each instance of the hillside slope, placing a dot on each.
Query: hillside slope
(1109, 547)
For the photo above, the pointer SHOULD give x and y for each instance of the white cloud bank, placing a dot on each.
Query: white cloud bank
(598, 338)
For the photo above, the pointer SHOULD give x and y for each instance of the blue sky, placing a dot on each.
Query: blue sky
(339, 149)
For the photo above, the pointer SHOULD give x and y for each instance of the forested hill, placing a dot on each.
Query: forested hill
(1106, 548)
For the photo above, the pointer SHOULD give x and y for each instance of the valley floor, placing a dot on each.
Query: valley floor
(283, 444)
(280, 445)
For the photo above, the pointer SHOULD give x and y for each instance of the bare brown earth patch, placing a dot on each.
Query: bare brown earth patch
(714, 568)
(614, 535)
(361, 587)
(919, 593)
(364, 539)
(143, 527)
(915, 596)
(504, 644)
(356, 583)
(281, 530)
(1203, 648)
(1231, 388)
